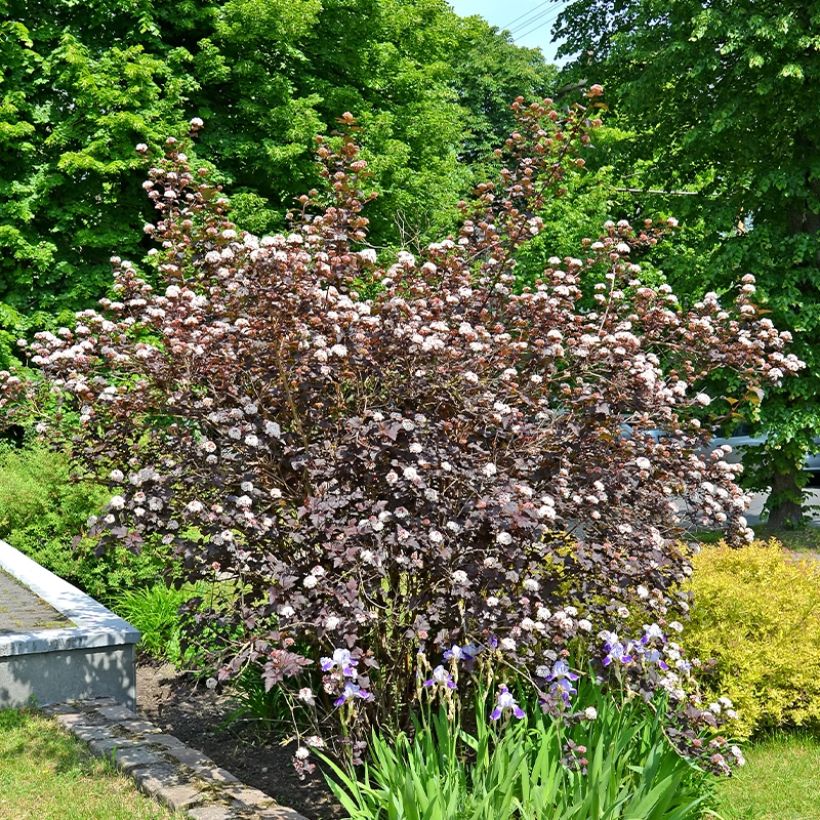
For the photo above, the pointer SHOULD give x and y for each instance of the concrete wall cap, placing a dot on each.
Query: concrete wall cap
(94, 625)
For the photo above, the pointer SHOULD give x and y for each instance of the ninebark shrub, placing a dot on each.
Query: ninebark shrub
(413, 470)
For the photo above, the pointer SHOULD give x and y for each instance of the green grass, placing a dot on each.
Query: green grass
(48, 775)
(804, 539)
(780, 781)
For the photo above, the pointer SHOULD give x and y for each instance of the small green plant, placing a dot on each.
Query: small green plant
(756, 616)
(611, 761)
(255, 704)
(155, 612)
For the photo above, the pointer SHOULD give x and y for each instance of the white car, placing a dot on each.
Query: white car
(742, 440)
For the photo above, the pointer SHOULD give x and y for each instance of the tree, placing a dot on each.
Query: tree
(84, 82)
(721, 95)
(488, 75)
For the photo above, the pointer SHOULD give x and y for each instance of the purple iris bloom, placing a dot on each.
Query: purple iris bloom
(461, 653)
(652, 632)
(562, 677)
(505, 702)
(561, 670)
(655, 656)
(441, 677)
(341, 659)
(562, 674)
(351, 691)
(616, 651)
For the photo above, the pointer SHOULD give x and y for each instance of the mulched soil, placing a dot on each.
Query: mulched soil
(193, 713)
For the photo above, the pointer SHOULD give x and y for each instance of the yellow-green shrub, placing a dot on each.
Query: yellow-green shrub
(756, 612)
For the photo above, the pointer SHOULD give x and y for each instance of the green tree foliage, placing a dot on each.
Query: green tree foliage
(83, 82)
(720, 95)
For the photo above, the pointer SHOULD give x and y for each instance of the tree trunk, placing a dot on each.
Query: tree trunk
(787, 511)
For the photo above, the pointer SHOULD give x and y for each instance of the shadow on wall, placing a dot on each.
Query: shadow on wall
(91, 657)
(56, 676)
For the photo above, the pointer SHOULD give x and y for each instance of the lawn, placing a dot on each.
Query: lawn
(781, 781)
(802, 539)
(48, 775)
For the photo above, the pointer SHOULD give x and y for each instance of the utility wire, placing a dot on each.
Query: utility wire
(525, 14)
(516, 30)
(523, 34)
(524, 20)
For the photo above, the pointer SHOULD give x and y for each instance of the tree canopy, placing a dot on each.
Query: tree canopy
(84, 82)
(719, 96)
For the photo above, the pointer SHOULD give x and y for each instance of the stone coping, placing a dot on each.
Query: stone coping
(184, 779)
(93, 625)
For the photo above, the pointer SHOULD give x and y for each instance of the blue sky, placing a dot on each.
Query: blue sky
(529, 21)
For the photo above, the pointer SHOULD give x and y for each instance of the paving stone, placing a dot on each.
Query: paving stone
(272, 811)
(24, 610)
(60, 709)
(167, 741)
(134, 757)
(249, 796)
(89, 733)
(116, 713)
(212, 811)
(69, 717)
(139, 727)
(163, 767)
(188, 756)
(182, 796)
(106, 745)
(279, 813)
(155, 778)
(72, 719)
(214, 774)
(102, 700)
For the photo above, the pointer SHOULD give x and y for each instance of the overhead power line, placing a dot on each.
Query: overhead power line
(522, 34)
(516, 30)
(535, 14)
(537, 6)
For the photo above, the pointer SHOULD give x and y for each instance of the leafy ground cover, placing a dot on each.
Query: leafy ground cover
(46, 774)
(781, 781)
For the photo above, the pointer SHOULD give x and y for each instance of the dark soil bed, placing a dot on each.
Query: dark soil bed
(193, 713)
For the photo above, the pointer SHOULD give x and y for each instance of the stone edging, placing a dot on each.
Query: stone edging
(163, 767)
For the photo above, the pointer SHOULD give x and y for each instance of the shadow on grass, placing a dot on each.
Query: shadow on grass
(29, 740)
